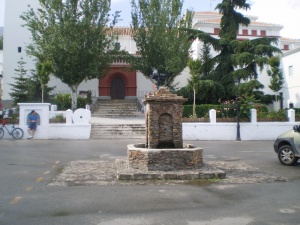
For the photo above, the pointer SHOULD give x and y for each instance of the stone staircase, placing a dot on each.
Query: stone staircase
(117, 119)
(113, 131)
(116, 108)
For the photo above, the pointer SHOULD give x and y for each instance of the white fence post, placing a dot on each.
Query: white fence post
(213, 116)
(69, 114)
(253, 116)
(291, 115)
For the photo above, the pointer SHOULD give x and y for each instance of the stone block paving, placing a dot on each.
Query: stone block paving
(116, 172)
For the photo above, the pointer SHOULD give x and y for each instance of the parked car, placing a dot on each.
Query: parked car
(287, 146)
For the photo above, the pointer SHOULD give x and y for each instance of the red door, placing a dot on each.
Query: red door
(117, 88)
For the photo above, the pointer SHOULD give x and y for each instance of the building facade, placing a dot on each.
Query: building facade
(121, 83)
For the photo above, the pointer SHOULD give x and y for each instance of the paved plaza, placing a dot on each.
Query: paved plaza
(72, 182)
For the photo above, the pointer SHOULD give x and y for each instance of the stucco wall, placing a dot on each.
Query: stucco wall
(291, 89)
(15, 36)
(228, 131)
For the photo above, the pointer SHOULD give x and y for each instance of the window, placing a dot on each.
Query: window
(286, 47)
(291, 71)
(263, 33)
(216, 30)
(254, 32)
(245, 32)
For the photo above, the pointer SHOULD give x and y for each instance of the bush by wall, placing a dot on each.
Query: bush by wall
(63, 101)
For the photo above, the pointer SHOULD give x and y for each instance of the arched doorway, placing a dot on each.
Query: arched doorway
(117, 88)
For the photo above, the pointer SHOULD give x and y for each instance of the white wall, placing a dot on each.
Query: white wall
(291, 90)
(144, 85)
(228, 131)
(15, 36)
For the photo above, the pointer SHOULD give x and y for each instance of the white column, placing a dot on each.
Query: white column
(213, 116)
(69, 114)
(291, 115)
(253, 116)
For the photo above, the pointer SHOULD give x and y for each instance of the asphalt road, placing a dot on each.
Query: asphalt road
(27, 167)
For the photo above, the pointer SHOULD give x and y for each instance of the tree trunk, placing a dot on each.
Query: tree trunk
(194, 104)
(74, 97)
(42, 93)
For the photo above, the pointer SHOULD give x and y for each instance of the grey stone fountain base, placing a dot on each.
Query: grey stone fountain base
(170, 164)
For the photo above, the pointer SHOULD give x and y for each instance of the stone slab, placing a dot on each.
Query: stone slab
(124, 172)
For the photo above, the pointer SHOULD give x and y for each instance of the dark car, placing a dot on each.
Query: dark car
(287, 146)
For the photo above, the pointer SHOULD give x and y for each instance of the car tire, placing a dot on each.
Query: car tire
(286, 155)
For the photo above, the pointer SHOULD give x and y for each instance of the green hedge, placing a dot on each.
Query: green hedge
(223, 110)
(63, 101)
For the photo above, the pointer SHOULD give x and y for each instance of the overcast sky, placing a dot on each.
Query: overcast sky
(283, 12)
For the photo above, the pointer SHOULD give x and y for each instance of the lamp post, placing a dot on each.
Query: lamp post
(238, 135)
(158, 77)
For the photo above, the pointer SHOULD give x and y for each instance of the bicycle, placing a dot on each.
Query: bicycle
(16, 132)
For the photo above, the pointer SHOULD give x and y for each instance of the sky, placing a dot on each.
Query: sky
(282, 12)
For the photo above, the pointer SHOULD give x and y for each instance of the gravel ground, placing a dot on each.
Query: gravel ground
(103, 172)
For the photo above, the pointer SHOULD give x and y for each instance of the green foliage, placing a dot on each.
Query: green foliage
(73, 36)
(250, 87)
(246, 103)
(63, 101)
(43, 73)
(81, 102)
(280, 115)
(21, 86)
(27, 88)
(160, 41)
(201, 110)
(276, 74)
(59, 117)
(236, 58)
(36, 94)
(227, 109)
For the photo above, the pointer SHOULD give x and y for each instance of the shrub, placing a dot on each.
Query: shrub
(64, 101)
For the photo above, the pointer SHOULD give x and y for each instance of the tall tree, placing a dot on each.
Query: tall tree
(206, 58)
(73, 35)
(237, 58)
(193, 81)
(161, 44)
(43, 71)
(276, 74)
(21, 86)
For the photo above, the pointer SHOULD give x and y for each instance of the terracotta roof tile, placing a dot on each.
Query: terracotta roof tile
(121, 31)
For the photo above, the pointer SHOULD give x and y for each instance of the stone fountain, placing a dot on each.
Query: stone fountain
(164, 156)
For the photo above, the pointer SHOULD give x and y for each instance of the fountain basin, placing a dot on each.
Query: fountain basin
(172, 159)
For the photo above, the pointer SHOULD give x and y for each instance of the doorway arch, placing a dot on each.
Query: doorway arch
(117, 88)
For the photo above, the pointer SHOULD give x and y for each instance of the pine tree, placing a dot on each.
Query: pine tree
(276, 74)
(20, 89)
(236, 58)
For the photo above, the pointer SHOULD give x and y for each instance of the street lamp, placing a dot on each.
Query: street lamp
(238, 135)
(158, 77)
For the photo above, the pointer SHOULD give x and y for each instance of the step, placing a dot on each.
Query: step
(118, 131)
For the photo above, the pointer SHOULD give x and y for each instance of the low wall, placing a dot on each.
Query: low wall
(187, 158)
(77, 124)
(69, 131)
(228, 131)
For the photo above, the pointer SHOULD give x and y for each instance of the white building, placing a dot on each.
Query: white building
(133, 84)
(291, 70)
